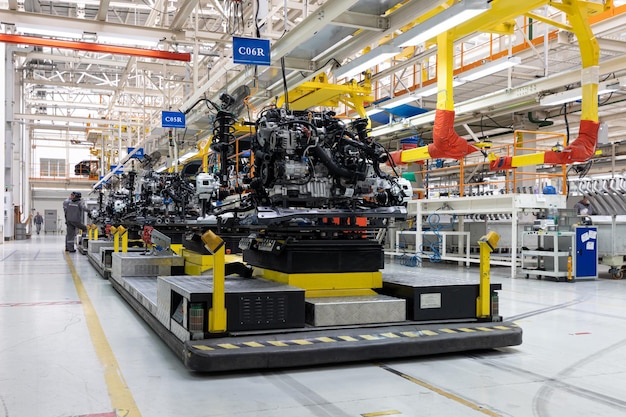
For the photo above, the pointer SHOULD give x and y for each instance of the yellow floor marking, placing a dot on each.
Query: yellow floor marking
(121, 398)
(277, 343)
(484, 329)
(429, 332)
(326, 339)
(466, 330)
(253, 344)
(410, 334)
(302, 342)
(228, 346)
(202, 347)
(447, 330)
(369, 337)
(390, 335)
(502, 327)
(348, 338)
(382, 413)
(441, 392)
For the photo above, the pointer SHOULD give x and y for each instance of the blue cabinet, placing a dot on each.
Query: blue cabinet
(586, 252)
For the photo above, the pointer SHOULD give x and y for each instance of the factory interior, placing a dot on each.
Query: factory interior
(312, 208)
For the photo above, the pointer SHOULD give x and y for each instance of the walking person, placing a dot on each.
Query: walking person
(74, 215)
(38, 220)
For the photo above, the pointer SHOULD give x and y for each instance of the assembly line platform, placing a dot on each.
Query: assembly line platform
(269, 327)
(342, 345)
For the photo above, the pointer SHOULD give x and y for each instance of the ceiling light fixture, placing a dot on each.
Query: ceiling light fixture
(441, 22)
(370, 111)
(434, 88)
(368, 60)
(490, 68)
(575, 94)
(331, 48)
(126, 40)
(187, 156)
(51, 32)
(398, 101)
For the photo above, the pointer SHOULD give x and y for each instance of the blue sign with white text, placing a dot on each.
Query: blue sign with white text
(117, 169)
(251, 51)
(172, 119)
(138, 155)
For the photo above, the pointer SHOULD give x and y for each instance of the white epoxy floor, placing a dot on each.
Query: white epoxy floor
(570, 363)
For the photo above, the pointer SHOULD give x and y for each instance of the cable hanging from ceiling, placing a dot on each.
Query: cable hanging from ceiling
(235, 23)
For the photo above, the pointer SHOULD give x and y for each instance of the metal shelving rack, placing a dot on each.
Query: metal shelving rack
(512, 204)
(550, 256)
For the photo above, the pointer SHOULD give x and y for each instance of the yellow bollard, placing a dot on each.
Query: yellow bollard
(217, 313)
(116, 241)
(487, 244)
(95, 231)
(569, 269)
(123, 232)
(89, 232)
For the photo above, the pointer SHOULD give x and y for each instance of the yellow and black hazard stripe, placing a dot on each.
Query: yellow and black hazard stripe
(233, 344)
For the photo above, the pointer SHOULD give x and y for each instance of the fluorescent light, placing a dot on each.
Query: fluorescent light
(332, 48)
(434, 88)
(368, 60)
(126, 40)
(187, 156)
(397, 101)
(52, 32)
(373, 110)
(446, 20)
(490, 68)
(575, 94)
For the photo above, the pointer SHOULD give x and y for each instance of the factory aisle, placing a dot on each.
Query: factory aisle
(71, 346)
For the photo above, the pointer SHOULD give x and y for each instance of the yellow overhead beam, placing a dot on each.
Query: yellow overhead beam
(500, 11)
(548, 21)
(319, 92)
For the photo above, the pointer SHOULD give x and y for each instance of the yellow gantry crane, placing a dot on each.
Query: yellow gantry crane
(448, 144)
(319, 92)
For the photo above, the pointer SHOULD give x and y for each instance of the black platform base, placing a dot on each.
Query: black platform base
(319, 347)
(315, 346)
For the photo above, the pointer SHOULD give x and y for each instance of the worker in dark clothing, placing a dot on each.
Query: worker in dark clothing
(38, 220)
(584, 207)
(74, 214)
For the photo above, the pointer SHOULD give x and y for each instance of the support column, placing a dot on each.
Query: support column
(3, 208)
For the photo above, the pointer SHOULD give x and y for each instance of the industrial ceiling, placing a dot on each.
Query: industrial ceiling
(69, 93)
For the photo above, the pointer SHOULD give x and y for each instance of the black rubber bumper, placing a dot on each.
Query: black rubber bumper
(321, 347)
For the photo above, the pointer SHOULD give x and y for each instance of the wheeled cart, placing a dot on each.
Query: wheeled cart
(561, 255)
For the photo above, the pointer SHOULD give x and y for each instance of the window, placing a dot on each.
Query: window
(49, 167)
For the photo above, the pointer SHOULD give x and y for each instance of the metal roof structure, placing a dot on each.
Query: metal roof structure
(84, 95)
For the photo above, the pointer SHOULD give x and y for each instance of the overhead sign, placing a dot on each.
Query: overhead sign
(172, 119)
(138, 155)
(251, 51)
(117, 169)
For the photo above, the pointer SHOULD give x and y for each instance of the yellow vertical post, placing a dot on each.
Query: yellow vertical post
(487, 244)
(576, 11)
(116, 239)
(445, 71)
(89, 232)
(123, 233)
(217, 313)
(94, 227)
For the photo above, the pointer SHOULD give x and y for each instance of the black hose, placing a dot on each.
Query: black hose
(327, 160)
